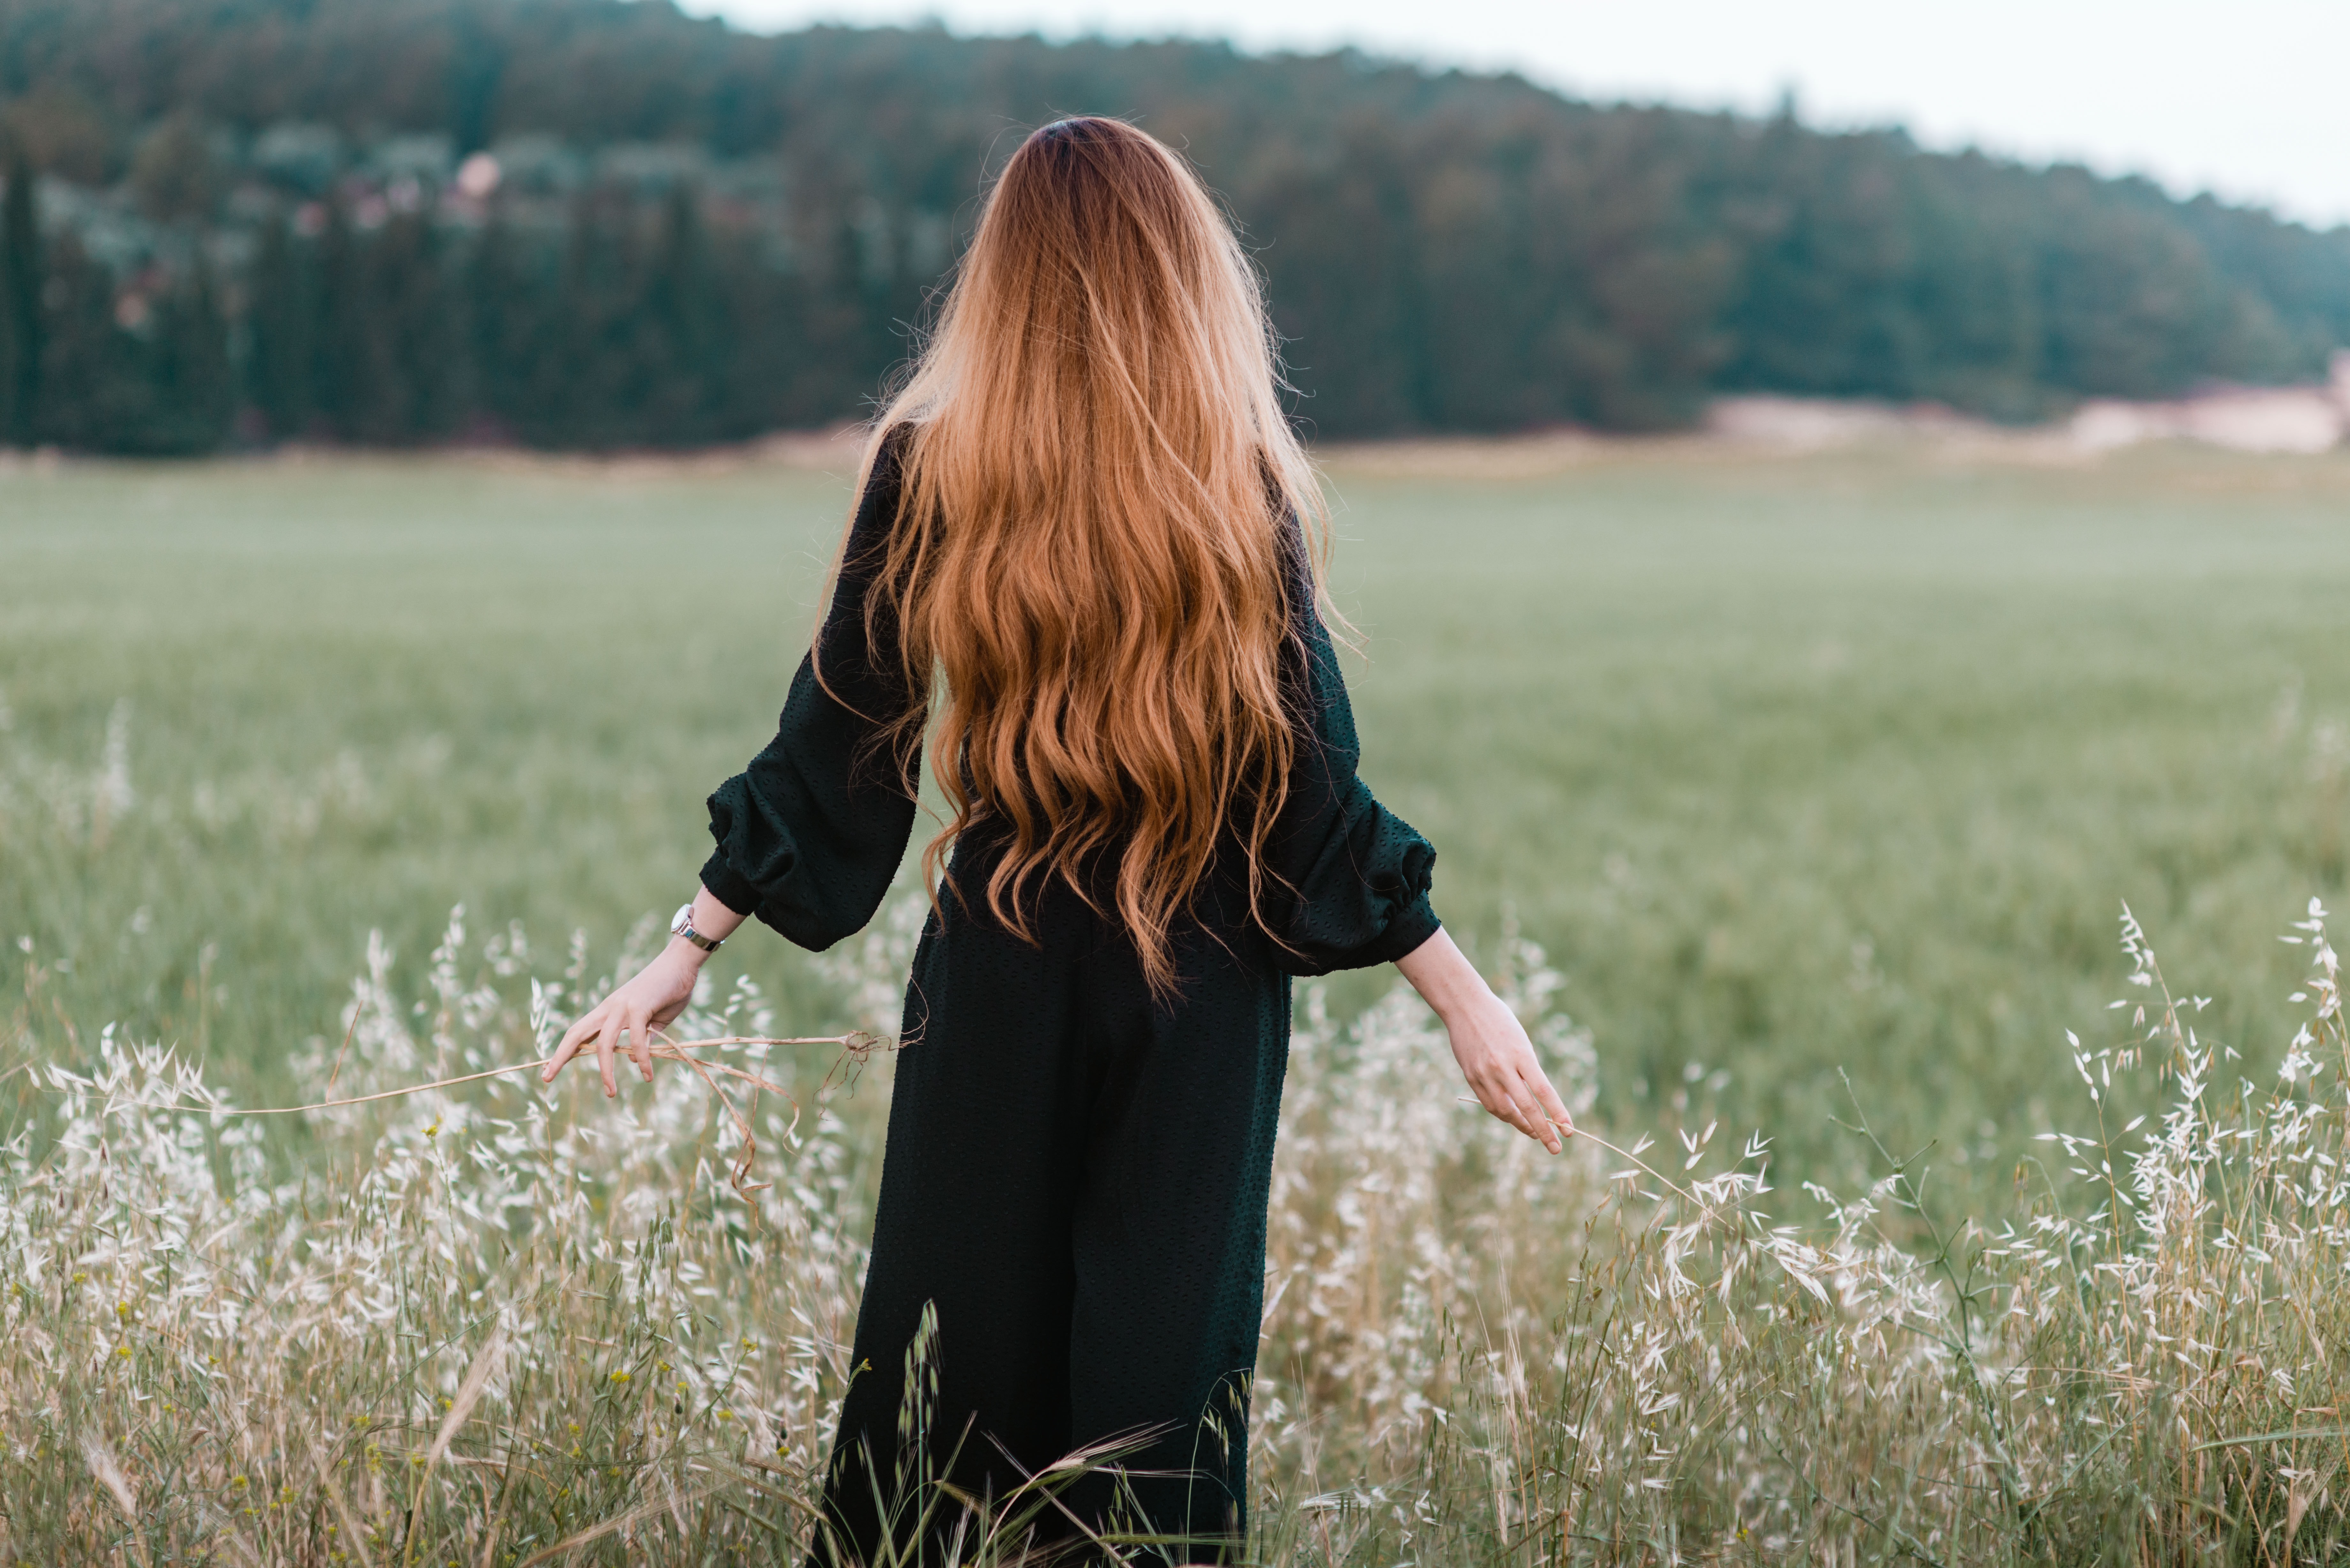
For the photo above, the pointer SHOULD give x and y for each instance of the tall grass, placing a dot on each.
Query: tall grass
(1609, 1360)
(502, 1326)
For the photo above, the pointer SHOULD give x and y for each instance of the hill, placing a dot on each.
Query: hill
(259, 215)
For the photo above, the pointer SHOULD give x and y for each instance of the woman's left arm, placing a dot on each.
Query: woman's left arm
(809, 835)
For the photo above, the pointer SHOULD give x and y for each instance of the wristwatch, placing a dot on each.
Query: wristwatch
(682, 924)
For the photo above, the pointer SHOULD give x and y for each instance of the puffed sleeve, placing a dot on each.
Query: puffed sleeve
(1356, 875)
(810, 834)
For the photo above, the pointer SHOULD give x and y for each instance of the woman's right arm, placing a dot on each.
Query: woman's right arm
(1361, 877)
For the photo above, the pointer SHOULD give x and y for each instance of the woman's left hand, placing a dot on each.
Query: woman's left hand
(651, 1001)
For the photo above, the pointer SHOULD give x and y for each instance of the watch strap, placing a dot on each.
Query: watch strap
(682, 926)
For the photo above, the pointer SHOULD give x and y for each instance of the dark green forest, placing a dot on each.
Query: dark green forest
(602, 223)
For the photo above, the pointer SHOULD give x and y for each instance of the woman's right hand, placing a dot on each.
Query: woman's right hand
(1488, 1042)
(1499, 1065)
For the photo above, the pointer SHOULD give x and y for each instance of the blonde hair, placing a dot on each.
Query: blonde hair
(1088, 571)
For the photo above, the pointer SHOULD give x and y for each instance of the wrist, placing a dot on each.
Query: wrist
(1457, 1004)
(702, 925)
(713, 917)
(1451, 993)
(1445, 978)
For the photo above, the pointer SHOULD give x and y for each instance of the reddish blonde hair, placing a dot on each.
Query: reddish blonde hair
(1088, 571)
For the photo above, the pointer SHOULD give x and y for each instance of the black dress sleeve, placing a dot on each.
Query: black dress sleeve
(1352, 877)
(810, 834)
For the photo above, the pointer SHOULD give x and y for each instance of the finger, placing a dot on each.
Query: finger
(1527, 1098)
(1546, 1094)
(572, 1040)
(605, 1044)
(575, 1037)
(641, 1048)
(1503, 1104)
(1495, 1099)
(1528, 1120)
(1546, 1130)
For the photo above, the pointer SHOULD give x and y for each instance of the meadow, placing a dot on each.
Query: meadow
(1797, 766)
(1796, 795)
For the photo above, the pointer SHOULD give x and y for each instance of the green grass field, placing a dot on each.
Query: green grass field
(1794, 765)
(1797, 766)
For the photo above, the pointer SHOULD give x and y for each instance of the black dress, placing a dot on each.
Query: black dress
(1074, 1185)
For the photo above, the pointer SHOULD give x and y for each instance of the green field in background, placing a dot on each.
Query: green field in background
(1794, 764)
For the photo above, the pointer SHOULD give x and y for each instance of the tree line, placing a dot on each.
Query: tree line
(625, 324)
(596, 224)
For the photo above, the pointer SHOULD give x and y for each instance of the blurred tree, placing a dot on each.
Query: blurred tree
(12, 358)
(509, 290)
(477, 63)
(1444, 251)
(22, 283)
(84, 367)
(172, 172)
(581, 384)
(1971, 284)
(681, 324)
(339, 329)
(195, 401)
(282, 316)
(1346, 280)
(62, 134)
(1826, 305)
(402, 334)
(142, 368)
(2132, 306)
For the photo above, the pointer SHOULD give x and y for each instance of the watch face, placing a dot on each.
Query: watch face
(682, 922)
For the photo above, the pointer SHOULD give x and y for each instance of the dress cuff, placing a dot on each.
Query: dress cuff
(728, 885)
(1403, 934)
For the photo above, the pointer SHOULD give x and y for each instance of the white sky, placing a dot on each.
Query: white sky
(2247, 97)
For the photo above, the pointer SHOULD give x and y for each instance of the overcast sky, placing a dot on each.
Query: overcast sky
(2247, 97)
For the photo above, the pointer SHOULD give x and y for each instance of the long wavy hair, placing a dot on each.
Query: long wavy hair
(1087, 573)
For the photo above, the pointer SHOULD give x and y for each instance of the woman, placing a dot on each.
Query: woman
(1079, 566)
